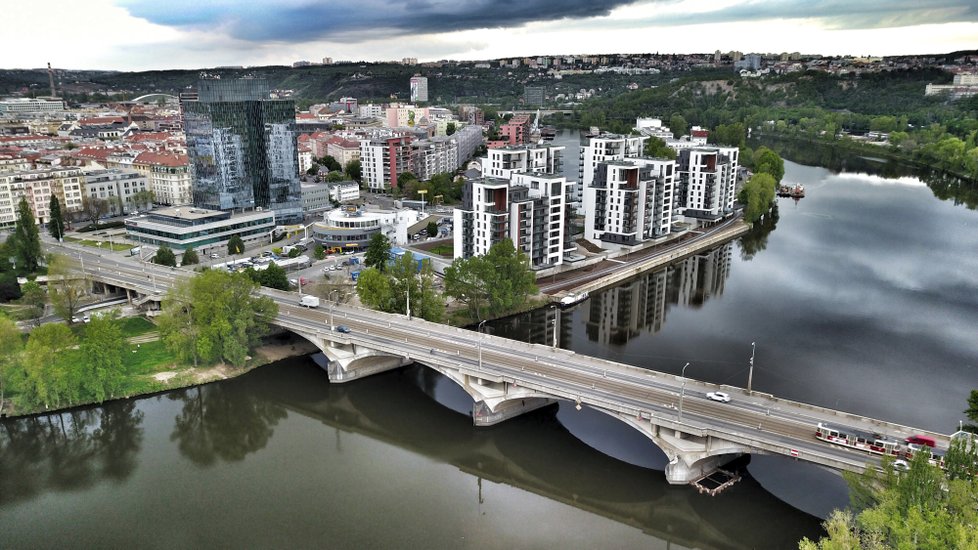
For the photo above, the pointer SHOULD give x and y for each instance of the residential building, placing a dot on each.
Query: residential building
(516, 131)
(433, 156)
(629, 202)
(603, 147)
(705, 187)
(468, 138)
(503, 162)
(206, 231)
(315, 197)
(12, 107)
(372, 110)
(528, 209)
(382, 159)
(117, 187)
(37, 186)
(344, 150)
(242, 148)
(169, 177)
(419, 88)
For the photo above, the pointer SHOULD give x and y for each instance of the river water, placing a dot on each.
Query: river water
(860, 296)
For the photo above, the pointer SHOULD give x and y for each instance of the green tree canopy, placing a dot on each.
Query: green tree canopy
(494, 284)
(11, 345)
(331, 164)
(165, 256)
(235, 245)
(215, 316)
(34, 297)
(758, 195)
(190, 257)
(768, 162)
(48, 377)
(374, 289)
(972, 412)
(657, 148)
(103, 346)
(319, 252)
(432, 229)
(56, 223)
(353, 170)
(378, 252)
(93, 208)
(26, 239)
(67, 289)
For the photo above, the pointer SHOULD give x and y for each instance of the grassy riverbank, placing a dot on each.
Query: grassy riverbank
(150, 368)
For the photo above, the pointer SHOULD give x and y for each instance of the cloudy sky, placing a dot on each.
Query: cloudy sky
(187, 34)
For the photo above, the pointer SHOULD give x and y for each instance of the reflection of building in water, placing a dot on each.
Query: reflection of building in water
(539, 326)
(618, 314)
(698, 277)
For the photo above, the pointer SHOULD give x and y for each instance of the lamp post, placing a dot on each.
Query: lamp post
(682, 393)
(480, 342)
(332, 306)
(750, 373)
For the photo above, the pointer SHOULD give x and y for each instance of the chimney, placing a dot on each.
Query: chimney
(51, 80)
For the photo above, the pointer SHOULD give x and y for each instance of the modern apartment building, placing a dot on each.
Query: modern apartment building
(706, 182)
(382, 159)
(516, 131)
(242, 148)
(603, 147)
(528, 209)
(629, 202)
(503, 162)
(37, 186)
(434, 156)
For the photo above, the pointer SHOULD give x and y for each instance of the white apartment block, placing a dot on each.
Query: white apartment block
(433, 156)
(706, 182)
(372, 110)
(603, 148)
(503, 162)
(38, 186)
(629, 202)
(117, 187)
(13, 164)
(468, 138)
(530, 210)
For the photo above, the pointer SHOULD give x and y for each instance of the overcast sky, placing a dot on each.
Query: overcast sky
(188, 34)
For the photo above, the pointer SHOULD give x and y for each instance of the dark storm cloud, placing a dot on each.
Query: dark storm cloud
(839, 14)
(300, 21)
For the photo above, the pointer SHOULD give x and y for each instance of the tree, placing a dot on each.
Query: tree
(94, 208)
(657, 148)
(378, 252)
(769, 162)
(11, 345)
(165, 256)
(450, 128)
(26, 239)
(66, 288)
(103, 347)
(34, 297)
(235, 245)
(734, 135)
(353, 170)
(493, 284)
(144, 198)
(972, 412)
(274, 276)
(190, 257)
(334, 177)
(374, 289)
(758, 194)
(49, 378)
(319, 252)
(56, 224)
(678, 125)
(432, 229)
(313, 170)
(331, 163)
(216, 316)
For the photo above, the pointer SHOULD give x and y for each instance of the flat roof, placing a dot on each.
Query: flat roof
(186, 212)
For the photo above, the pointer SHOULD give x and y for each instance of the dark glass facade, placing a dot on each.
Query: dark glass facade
(242, 148)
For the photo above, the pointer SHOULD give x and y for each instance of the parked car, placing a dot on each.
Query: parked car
(718, 396)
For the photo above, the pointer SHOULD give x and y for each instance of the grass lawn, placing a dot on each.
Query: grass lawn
(115, 246)
(134, 326)
(443, 250)
(148, 358)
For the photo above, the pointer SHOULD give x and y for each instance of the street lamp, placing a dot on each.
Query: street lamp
(750, 373)
(333, 306)
(682, 393)
(480, 342)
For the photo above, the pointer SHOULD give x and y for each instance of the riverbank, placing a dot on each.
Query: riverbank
(168, 375)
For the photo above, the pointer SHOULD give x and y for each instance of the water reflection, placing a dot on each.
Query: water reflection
(755, 240)
(221, 423)
(68, 451)
(945, 186)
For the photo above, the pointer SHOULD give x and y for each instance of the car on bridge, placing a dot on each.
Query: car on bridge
(343, 328)
(720, 396)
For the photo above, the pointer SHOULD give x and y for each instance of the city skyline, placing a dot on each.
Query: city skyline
(134, 35)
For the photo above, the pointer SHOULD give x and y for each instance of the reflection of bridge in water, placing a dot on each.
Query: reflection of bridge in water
(395, 409)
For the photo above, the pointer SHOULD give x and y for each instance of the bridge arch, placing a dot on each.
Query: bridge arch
(147, 96)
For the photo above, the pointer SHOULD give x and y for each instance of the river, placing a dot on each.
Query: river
(862, 296)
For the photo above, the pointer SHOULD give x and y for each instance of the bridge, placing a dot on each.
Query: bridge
(506, 378)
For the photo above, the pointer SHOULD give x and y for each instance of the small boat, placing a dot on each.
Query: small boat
(794, 191)
(573, 298)
(548, 133)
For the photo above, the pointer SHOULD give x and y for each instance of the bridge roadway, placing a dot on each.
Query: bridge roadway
(514, 377)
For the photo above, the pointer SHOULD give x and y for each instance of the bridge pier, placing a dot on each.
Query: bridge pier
(483, 415)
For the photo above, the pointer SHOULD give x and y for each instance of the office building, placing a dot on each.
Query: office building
(419, 88)
(242, 148)
(206, 231)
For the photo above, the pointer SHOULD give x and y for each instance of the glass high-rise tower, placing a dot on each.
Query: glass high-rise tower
(242, 148)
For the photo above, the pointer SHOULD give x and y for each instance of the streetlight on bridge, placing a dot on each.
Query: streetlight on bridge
(480, 342)
(750, 373)
(682, 393)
